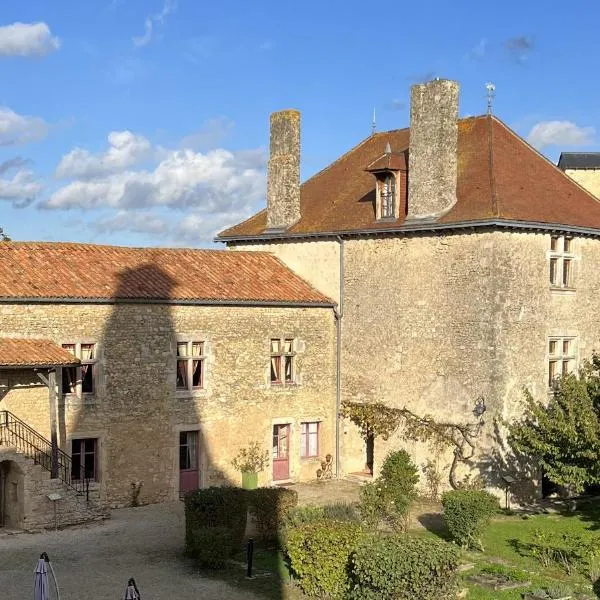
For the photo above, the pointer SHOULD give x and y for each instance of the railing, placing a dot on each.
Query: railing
(19, 435)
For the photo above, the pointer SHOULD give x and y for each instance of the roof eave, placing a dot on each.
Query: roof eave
(416, 228)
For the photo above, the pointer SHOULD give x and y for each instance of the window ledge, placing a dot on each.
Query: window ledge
(311, 459)
(566, 291)
(76, 400)
(386, 219)
(280, 387)
(187, 394)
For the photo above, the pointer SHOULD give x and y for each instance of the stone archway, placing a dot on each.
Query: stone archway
(12, 495)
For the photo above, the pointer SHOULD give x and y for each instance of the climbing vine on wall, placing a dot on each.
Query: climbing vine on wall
(378, 420)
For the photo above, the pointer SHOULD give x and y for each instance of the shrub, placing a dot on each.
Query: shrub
(225, 507)
(502, 571)
(269, 507)
(340, 511)
(251, 459)
(319, 555)
(210, 546)
(301, 515)
(402, 567)
(467, 513)
(372, 504)
(400, 475)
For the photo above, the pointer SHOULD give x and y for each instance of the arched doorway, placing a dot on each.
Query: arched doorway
(11, 495)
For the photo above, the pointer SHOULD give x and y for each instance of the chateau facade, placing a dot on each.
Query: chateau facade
(437, 268)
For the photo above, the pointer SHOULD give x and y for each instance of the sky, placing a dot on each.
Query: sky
(145, 122)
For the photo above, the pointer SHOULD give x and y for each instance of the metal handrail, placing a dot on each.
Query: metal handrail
(16, 433)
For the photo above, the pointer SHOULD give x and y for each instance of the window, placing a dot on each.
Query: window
(78, 380)
(387, 194)
(561, 358)
(282, 361)
(84, 459)
(561, 261)
(190, 365)
(309, 439)
(188, 450)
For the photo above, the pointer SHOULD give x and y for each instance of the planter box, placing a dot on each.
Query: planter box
(249, 480)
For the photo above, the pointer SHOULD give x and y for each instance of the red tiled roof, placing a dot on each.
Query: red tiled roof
(33, 353)
(500, 176)
(390, 161)
(84, 271)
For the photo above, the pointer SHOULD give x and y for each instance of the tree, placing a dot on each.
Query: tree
(563, 435)
(3, 236)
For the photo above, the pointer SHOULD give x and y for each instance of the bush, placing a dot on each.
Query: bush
(372, 504)
(269, 507)
(402, 567)
(340, 511)
(400, 475)
(210, 546)
(216, 507)
(319, 555)
(467, 513)
(301, 515)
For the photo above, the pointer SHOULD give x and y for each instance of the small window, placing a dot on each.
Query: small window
(84, 459)
(561, 358)
(561, 262)
(387, 196)
(190, 365)
(282, 361)
(188, 450)
(309, 439)
(80, 380)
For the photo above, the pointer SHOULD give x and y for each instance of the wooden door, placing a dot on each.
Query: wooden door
(188, 462)
(281, 452)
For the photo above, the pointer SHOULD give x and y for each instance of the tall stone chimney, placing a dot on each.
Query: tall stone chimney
(283, 185)
(433, 148)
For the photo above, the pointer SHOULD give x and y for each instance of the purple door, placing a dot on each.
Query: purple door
(281, 452)
(188, 461)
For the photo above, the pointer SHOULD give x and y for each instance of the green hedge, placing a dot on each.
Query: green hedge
(216, 507)
(467, 513)
(319, 556)
(269, 507)
(402, 567)
(210, 546)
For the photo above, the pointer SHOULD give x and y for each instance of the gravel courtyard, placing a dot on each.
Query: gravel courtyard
(96, 561)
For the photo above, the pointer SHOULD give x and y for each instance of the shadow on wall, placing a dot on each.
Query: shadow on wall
(140, 434)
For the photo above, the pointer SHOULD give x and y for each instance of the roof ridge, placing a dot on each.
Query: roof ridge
(544, 158)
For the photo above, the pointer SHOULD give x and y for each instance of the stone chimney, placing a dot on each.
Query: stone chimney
(433, 148)
(283, 186)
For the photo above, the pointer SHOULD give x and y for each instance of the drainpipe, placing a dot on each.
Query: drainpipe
(339, 313)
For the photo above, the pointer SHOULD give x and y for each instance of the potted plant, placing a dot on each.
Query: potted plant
(250, 462)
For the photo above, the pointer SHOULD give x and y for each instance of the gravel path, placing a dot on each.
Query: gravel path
(96, 561)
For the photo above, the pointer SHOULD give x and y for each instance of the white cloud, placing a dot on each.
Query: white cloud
(212, 133)
(126, 149)
(560, 133)
(169, 7)
(27, 39)
(23, 187)
(19, 129)
(136, 221)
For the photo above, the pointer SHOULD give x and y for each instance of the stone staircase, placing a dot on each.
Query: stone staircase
(26, 462)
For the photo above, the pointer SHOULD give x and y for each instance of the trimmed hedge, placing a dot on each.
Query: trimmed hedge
(402, 567)
(467, 513)
(210, 546)
(216, 508)
(269, 507)
(319, 556)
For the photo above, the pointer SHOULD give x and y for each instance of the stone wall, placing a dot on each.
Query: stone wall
(587, 178)
(137, 415)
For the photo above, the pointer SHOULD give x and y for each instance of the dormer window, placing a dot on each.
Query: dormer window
(387, 196)
(389, 171)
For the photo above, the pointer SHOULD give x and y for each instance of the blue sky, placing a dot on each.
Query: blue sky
(145, 122)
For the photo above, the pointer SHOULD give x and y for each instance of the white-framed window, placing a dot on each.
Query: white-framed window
(81, 380)
(309, 439)
(387, 196)
(283, 361)
(190, 365)
(561, 261)
(562, 358)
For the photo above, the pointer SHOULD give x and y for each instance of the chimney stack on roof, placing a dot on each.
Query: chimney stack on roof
(283, 186)
(432, 148)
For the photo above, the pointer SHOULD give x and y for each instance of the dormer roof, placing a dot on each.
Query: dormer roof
(389, 161)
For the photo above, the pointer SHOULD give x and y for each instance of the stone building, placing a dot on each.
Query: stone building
(465, 266)
(584, 168)
(139, 374)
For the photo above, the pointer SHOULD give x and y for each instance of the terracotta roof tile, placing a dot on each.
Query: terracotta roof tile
(499, 177)
(33, 353)
(84, 271)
